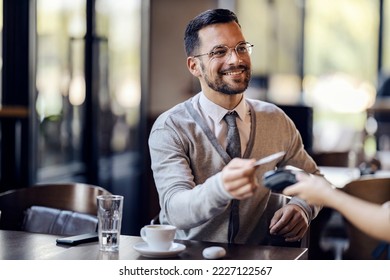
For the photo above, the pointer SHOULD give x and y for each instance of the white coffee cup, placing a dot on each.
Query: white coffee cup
(158, 237)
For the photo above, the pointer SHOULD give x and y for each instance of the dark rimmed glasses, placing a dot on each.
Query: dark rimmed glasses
(241, 49)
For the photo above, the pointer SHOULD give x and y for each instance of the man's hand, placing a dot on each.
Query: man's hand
(239, 178)
(290, 222)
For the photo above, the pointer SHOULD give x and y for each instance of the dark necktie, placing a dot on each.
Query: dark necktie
(233, 148)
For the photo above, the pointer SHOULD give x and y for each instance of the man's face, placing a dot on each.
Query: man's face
(229, 74)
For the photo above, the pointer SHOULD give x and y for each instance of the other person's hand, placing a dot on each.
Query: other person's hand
(311, 188)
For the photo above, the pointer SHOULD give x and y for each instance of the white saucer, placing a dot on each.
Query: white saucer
(144, 250)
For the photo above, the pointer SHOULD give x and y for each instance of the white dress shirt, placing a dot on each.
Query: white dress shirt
(213, 114)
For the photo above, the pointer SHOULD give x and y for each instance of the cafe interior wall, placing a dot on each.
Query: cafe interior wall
(167, 48)
(169, 81)
(275, 28)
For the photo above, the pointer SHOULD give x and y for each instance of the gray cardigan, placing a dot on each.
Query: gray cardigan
(187, 161)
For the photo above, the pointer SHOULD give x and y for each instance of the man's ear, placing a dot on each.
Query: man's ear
(193, 66)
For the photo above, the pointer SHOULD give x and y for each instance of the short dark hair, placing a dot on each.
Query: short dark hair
(209, 17)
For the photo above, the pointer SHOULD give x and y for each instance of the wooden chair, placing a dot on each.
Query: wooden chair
(67, 201)
(375, 190)
(338, 159)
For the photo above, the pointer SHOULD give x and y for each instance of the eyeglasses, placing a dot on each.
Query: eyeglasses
(241, 49)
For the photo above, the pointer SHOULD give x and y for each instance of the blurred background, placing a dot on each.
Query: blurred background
(83, 80)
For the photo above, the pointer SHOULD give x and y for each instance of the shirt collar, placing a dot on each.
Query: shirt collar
(217, 113)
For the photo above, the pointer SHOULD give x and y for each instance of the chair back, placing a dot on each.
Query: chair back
(335, 159)
(375, 190)
(75, 197)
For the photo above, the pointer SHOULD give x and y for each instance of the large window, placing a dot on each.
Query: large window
(322, 54)
(88, 100)
(60, 82)
(341, 43)
(118, 22)
(63, 92)
(386, 38)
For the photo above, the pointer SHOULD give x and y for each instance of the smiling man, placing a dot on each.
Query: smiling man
(207, 191)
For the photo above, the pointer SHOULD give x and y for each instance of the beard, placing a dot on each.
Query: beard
(220, 86)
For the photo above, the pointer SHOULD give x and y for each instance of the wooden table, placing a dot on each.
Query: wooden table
(19, 245)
